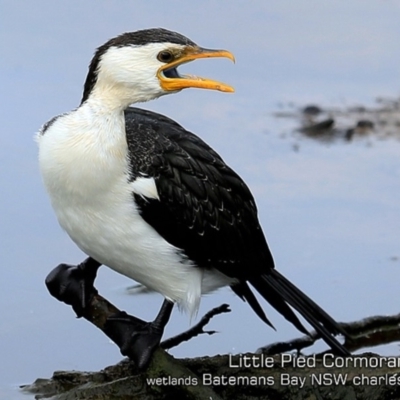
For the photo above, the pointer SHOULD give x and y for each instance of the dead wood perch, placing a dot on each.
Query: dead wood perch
(99, 309)
(368, 332)
(203, 378)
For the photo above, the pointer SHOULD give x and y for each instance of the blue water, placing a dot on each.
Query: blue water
(331, 213)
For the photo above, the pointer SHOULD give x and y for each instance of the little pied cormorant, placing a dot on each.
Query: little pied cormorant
(137, 192)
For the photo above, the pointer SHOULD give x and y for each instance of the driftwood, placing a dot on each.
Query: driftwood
(368, 332)
(251, 376)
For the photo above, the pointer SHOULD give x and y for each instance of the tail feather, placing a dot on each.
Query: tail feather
(281, 294)
(323, 316)
(273, 296)
(245, 293)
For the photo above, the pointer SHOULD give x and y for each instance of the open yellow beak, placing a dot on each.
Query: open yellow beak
(170, 80)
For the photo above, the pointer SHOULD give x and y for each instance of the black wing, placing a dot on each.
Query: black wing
(205, 208)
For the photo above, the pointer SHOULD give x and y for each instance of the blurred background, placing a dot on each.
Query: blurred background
(331, 212)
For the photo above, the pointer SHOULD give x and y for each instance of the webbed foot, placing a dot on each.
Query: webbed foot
(73, 284)
(138, 339)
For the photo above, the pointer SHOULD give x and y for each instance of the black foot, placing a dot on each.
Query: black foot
(73, 284)
(138, 339)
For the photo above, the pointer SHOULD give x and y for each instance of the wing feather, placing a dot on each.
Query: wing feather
(204, 208)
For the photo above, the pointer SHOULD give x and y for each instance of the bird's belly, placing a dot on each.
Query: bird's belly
(112, 232)
(115, 235)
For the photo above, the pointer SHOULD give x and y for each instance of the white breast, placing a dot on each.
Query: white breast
(85, 171)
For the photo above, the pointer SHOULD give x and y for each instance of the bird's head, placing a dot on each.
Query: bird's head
(141, 66)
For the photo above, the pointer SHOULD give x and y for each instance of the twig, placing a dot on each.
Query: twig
(196, 329)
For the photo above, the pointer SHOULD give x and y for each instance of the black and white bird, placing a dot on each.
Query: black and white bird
(138, 193)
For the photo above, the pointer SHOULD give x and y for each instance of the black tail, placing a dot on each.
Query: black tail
(281, 294)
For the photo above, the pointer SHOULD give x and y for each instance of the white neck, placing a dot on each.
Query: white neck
(110, 97)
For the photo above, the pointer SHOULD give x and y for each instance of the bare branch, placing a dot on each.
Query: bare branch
(196, 329)
(368, 332)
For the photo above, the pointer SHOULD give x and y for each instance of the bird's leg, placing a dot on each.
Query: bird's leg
(137, 339)
(73, 284)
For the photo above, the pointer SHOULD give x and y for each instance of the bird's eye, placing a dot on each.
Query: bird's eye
(165, 56)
